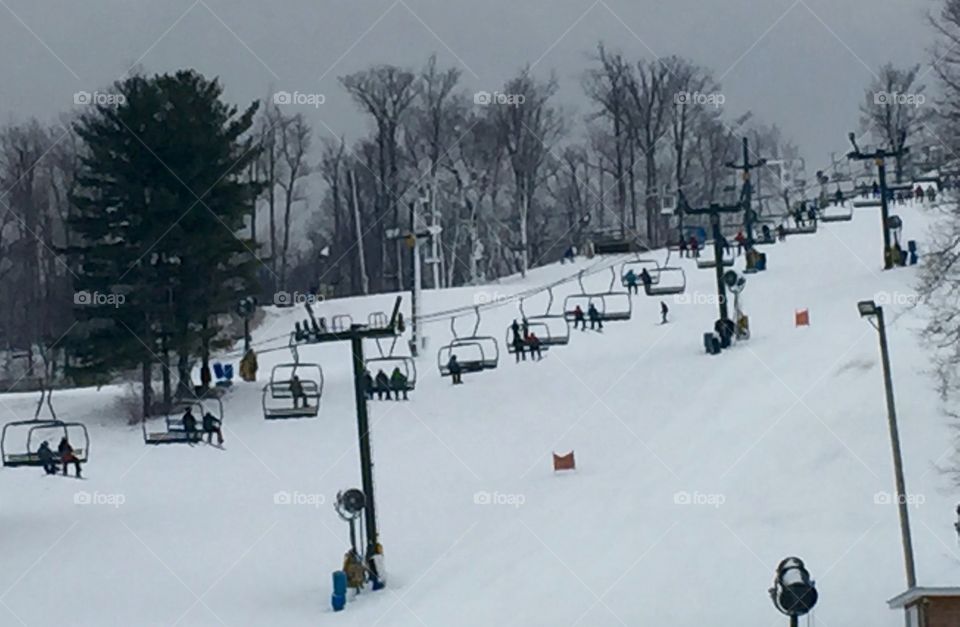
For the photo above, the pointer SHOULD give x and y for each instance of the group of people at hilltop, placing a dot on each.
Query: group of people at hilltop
(65, 455)
(391, 387)
(525, 340)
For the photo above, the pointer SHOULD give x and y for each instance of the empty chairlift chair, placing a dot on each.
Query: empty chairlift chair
(20, 441)
(279, 398)
(837, 213)
(475, 353)
(340, 323)
(671, 280)
(706, 259)
(174, 430)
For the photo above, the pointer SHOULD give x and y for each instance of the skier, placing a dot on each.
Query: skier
(189, 422)
(47, 458)
(918, 194)
(534, 343)
(211, 426)
(631, 278)
(398, 381)
(594, 316)
(456, 372)
(579, 319)
(781, 233)
(67, 456)
(296, 391)
(682, 246)
(838, 198)
(382, 385)
(368, 385)
(664, 310)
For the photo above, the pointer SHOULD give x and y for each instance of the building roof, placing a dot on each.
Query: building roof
(916, 593)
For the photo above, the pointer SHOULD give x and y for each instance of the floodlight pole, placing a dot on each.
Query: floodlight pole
(879, 157)
(356, 334)
(897, 455)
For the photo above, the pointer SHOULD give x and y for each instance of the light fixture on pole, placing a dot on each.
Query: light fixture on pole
(874, 314)
(793, 593)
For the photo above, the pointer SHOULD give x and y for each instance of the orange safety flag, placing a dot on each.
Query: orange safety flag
(803, 318)
(564, 462)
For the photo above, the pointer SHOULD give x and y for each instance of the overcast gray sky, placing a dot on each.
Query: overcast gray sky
(802, 64)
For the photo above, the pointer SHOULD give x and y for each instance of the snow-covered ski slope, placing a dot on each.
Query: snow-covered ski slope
(695, 474)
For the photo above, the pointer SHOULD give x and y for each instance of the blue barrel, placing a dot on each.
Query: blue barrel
(228, 372)
(338, 600)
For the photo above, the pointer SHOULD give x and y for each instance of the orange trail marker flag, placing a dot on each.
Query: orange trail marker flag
(803, 317)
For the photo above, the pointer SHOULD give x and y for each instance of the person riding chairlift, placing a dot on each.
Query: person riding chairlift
(189, 422)
(67, 456)
(456, 372)
(296, 391)
(382, 385)
(578, 319)
(211, 426)
(47, 458)
(398, 382)
(517, 341)
(535, 346)
(631, 278)
(595, 319)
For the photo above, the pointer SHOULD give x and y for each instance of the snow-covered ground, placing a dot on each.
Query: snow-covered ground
(695, 475)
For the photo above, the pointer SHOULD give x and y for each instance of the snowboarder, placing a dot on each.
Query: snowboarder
(578, 319)
(189, 422)
(664, 310)
(594, 316)
(382, 385)
(67, 456)
(47, 458)
(631, 278)
(211, 426)
(398, 381)
(456, 372)
(296, 391)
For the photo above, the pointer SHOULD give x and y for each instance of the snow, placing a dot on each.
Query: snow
(695, 475)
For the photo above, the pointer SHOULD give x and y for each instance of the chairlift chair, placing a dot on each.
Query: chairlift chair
(475, 353)
(388, 362)
(278, 400)
(340, 323)
(538, 328)
(557, 326)
(36, 432)
(836, 213)
(706, 259)
(809, 228)
(174, 432)
(670, 280)
(652, 266)
(612, 306)
(378, 320)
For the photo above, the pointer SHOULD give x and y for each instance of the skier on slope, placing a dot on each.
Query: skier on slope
(664, 310)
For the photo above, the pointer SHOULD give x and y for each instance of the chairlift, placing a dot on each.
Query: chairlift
(707, 260)
(388, 362)
(612, 306)
(638, 265)
(765, 232)
(809, 228)
(174, 432)
(33, 432)
(341, 323)
(475, 353)
(378, 320)
(837, 213)
(278, 399)
(557, 327)
(669, 280)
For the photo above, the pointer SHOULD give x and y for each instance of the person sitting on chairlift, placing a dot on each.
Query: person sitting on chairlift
(382, 385)
(368, 385)
(918, 193)
(456, 372)
(931, 193)
(631, 278)
(212, 426)
(741, 240)
(517, 341)
(838, 198)
(47, 458)
(578, 319)
(296, 391)
(189, 422)
(646, 279)
(535, 346)
(682, 246)
(694, 246)
(595, 319)
(67, 456)
(398, 381)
